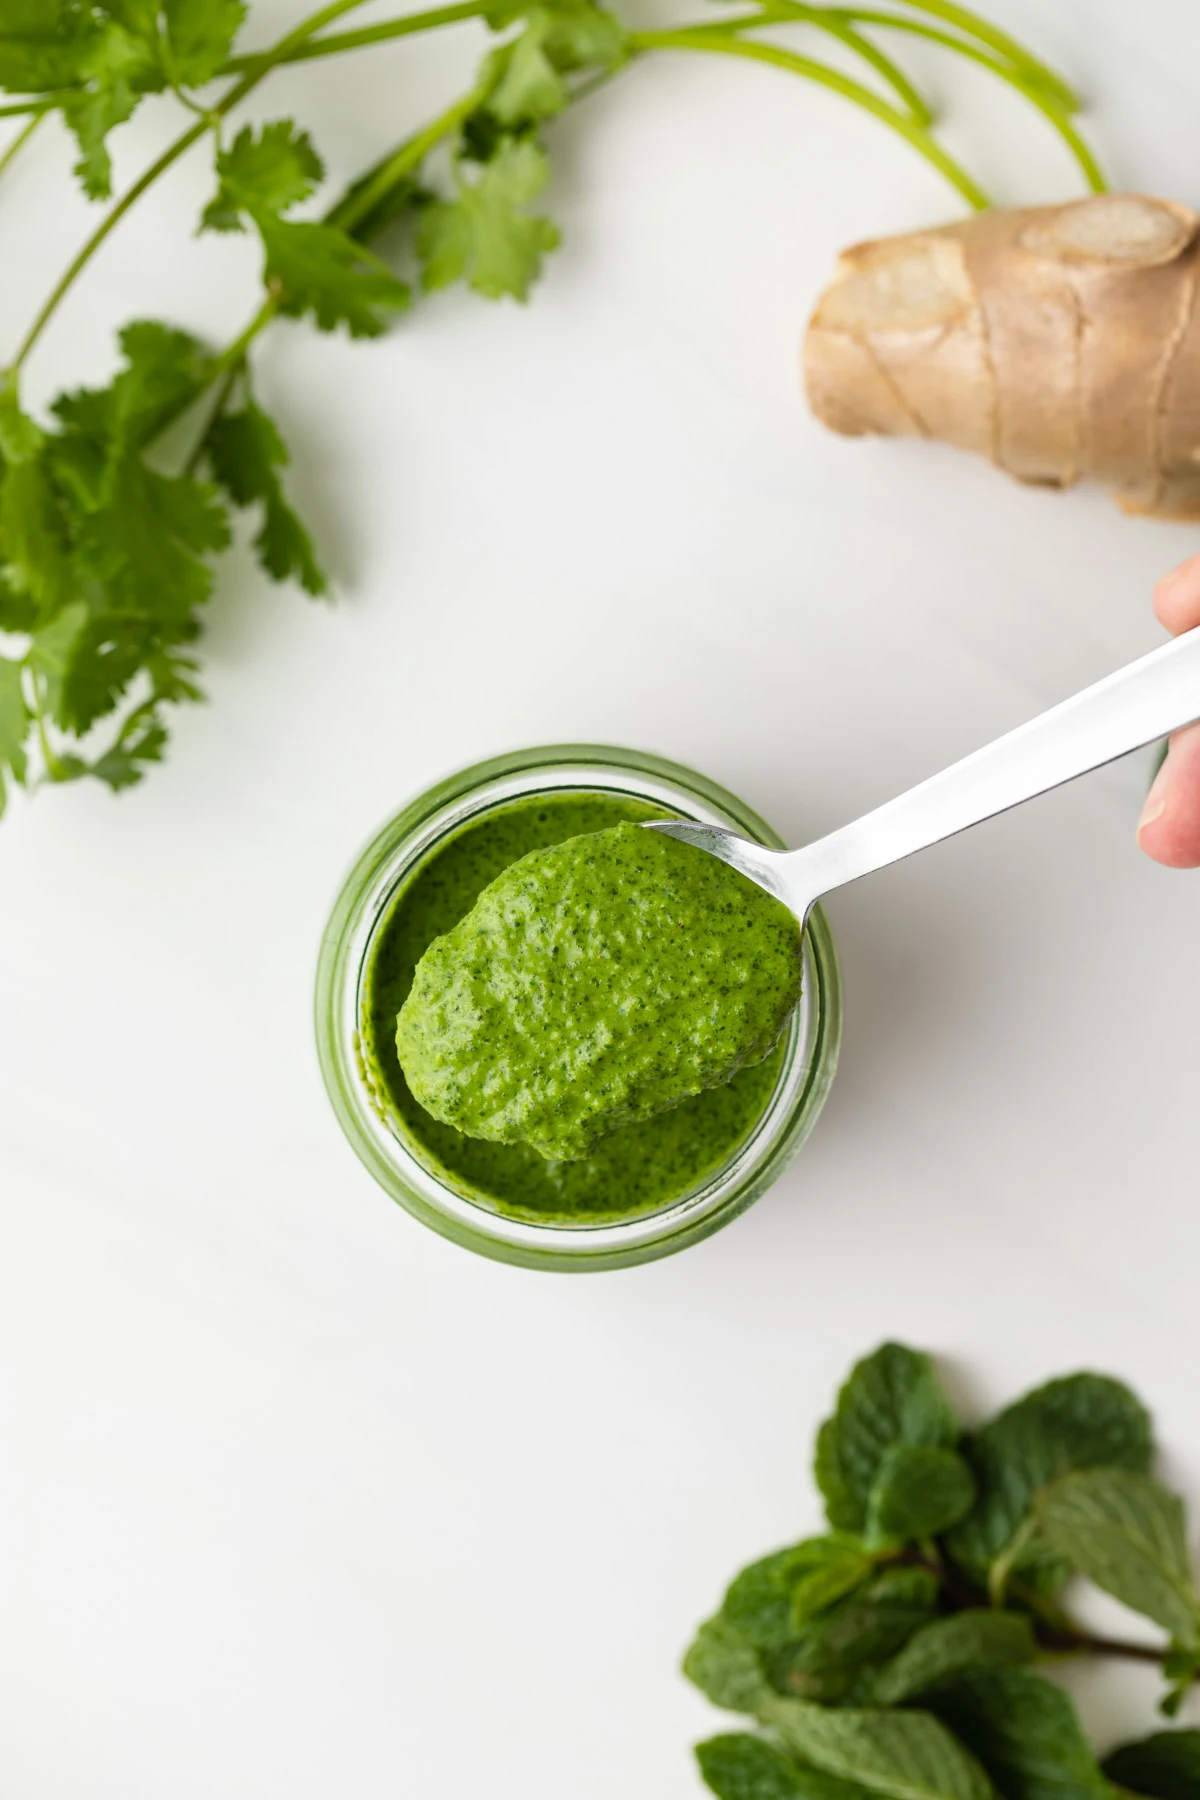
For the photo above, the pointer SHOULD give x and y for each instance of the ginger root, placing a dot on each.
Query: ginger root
(1063, 342)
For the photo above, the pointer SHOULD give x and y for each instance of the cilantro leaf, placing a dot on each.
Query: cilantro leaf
(141, 741)
(50, 656)
(892, 1397)
(42, 43)
(528, 75)
(309, 266)
(528, 88)
(485, 236)
(33, 546)
(200, 35)
(14, 726)
(262, 174)
(319, 269)
(126, 545)
(146, 544)
(245, 451)
(20, 438)
(164, 370)
(117, 69)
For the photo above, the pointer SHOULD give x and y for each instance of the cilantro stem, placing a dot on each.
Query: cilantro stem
(840, 25)
(921, 140)
(25, 108)
(371, 34)
(1008, 47)
(19, 142)
(260, 66)
(1026, 79)
(355, 205)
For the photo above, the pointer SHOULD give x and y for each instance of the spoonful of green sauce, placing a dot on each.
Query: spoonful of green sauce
(593, 985)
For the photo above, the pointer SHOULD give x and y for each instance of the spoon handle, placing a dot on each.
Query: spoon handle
(1141, 702)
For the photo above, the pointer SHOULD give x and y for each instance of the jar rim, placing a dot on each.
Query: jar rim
(391, 858)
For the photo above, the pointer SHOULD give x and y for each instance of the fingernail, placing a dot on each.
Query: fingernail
(1156, 799)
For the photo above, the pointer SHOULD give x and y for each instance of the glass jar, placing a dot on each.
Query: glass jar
(389, 862)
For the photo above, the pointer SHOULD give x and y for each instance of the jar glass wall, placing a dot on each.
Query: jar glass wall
(409, 844)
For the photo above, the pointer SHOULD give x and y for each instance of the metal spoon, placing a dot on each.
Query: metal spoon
(1147, 699)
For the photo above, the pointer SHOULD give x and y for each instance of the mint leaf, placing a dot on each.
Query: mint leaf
(1128, 1534)
(741, 1767)
(948, 1647)
(1025, 1733)
(835, 1566)
(892, 1397)
(321, 270)
(1079, 1422)
(869, 1627)
(245, 453)
(486, 236)
(263, 174)
(1163, 1767)
(200, 35)
(725, 1667)
(918, 1493)
(14, 726)
(900, 1755)
(763, 1601)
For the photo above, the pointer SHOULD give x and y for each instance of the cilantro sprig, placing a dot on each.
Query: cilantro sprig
(109, 530)
(895, 1657)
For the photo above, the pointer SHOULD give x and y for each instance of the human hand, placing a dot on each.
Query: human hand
(1169, 828)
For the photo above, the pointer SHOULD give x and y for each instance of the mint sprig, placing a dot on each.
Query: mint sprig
(896, 1656)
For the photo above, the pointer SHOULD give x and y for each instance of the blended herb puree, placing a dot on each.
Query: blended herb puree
(637, 1169)
(594, 985)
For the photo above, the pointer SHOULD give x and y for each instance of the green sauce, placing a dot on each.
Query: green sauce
(638, 1169)
(594, 985)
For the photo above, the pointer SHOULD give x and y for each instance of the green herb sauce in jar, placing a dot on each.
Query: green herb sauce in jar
(636, 1169)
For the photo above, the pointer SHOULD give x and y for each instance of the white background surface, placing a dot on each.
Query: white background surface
(297, 1499)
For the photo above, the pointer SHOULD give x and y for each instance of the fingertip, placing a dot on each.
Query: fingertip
(1177, 597)
(1169, 828)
